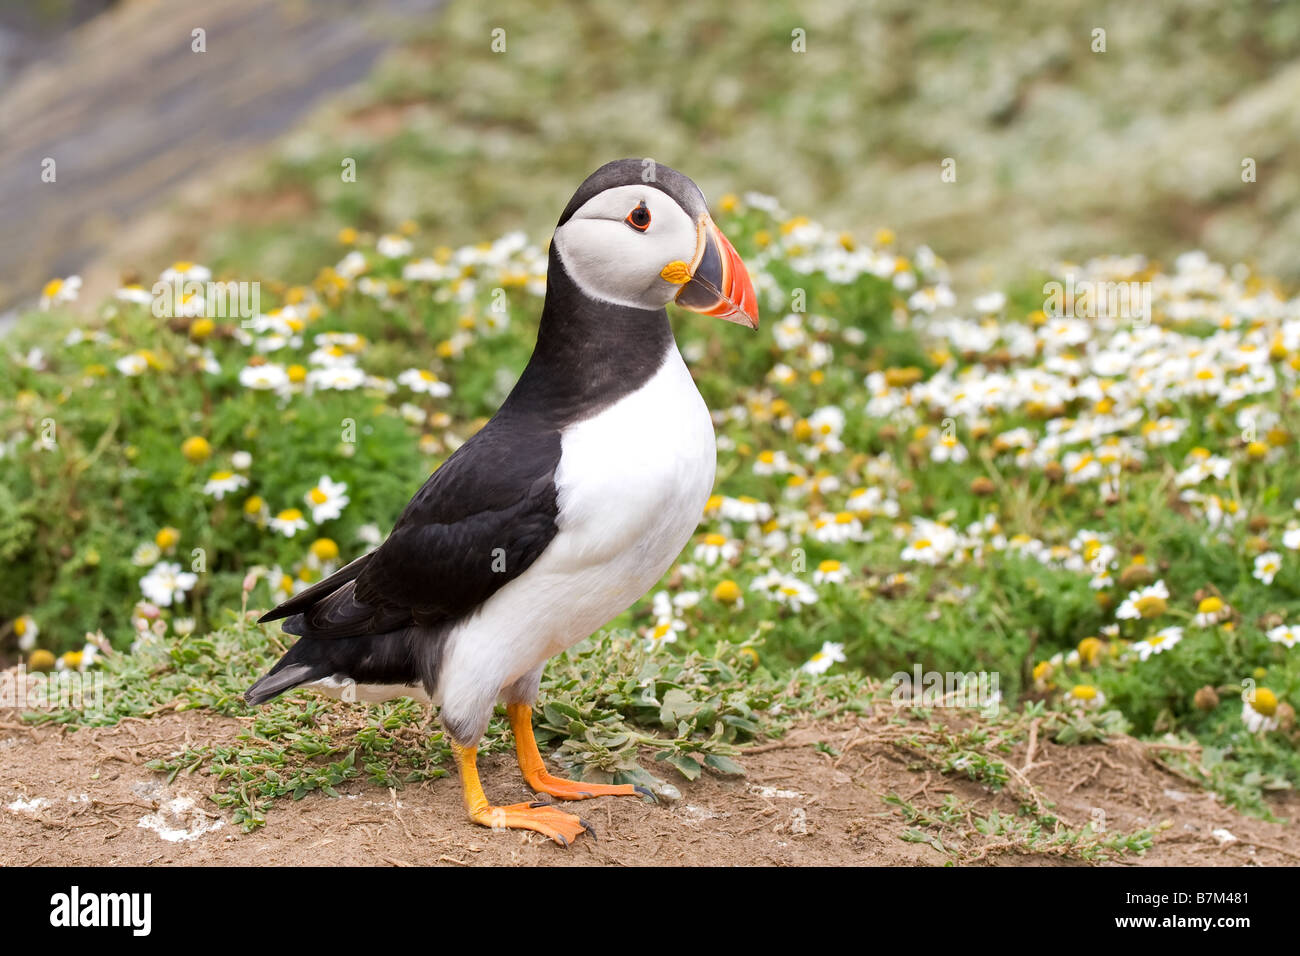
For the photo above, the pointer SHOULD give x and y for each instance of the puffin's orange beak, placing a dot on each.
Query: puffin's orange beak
(718, 283)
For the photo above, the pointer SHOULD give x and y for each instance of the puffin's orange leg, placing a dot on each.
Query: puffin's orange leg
(539, 778)
(550, 821)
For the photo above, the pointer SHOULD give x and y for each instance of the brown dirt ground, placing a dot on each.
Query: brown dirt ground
(79, 798)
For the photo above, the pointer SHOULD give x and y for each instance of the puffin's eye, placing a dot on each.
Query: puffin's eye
(639, 218)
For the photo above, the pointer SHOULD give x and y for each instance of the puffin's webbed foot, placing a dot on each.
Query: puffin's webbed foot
(547, 820)
(542, 781)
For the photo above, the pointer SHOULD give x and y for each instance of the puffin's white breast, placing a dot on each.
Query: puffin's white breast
(632, 484)
(633, 480)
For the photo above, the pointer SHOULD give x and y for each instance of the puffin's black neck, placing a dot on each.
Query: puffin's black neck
(589, 353)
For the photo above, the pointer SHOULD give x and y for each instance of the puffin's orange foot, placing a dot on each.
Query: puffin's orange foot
(540, 779)
(563, 789)
(543, 818)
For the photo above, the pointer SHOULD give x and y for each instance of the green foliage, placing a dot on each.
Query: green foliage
(603, 702)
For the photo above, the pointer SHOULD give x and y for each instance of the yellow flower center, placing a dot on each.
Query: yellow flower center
(325, 549)
(1090, 650)
(196, 449)
(1265, 702)
(1150, 605)
(728, 592)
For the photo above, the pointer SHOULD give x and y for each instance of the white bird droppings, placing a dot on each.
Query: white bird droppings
(23, 805)
(180, 821)
(1224, 837)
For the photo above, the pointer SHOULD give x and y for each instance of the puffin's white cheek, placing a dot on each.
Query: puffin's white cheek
(611, 262)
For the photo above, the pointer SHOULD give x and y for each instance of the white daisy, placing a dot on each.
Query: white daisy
(1267, 566)
(1158, 642)
(1211, 611)
(830, 653)
(1085, 696)
(220, 483)
(289, 522)
(1259, 711)
(342, 378)
(393, 247)
(830, 572)
(166, 582)
(327, 500)
(665, 632)
(1288, 635)
(716, 547)
(792, 592)
(146, 555)
(1144, 602)
(264, 378)
(132, 365)
(58, 291)
(424, 382)
(26, 631)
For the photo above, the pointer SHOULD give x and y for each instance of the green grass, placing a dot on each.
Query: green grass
(603, 704)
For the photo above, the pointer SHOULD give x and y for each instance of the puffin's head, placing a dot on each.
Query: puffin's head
(638, 234)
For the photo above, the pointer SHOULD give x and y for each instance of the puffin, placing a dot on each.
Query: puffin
(559, 513)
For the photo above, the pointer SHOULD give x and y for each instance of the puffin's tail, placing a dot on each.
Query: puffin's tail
(302, 664)
(403, 658)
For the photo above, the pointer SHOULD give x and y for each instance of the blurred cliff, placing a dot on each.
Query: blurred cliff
(1177, 131)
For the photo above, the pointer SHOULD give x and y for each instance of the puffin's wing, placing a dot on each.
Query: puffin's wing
(479, 521)
(321, 589)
